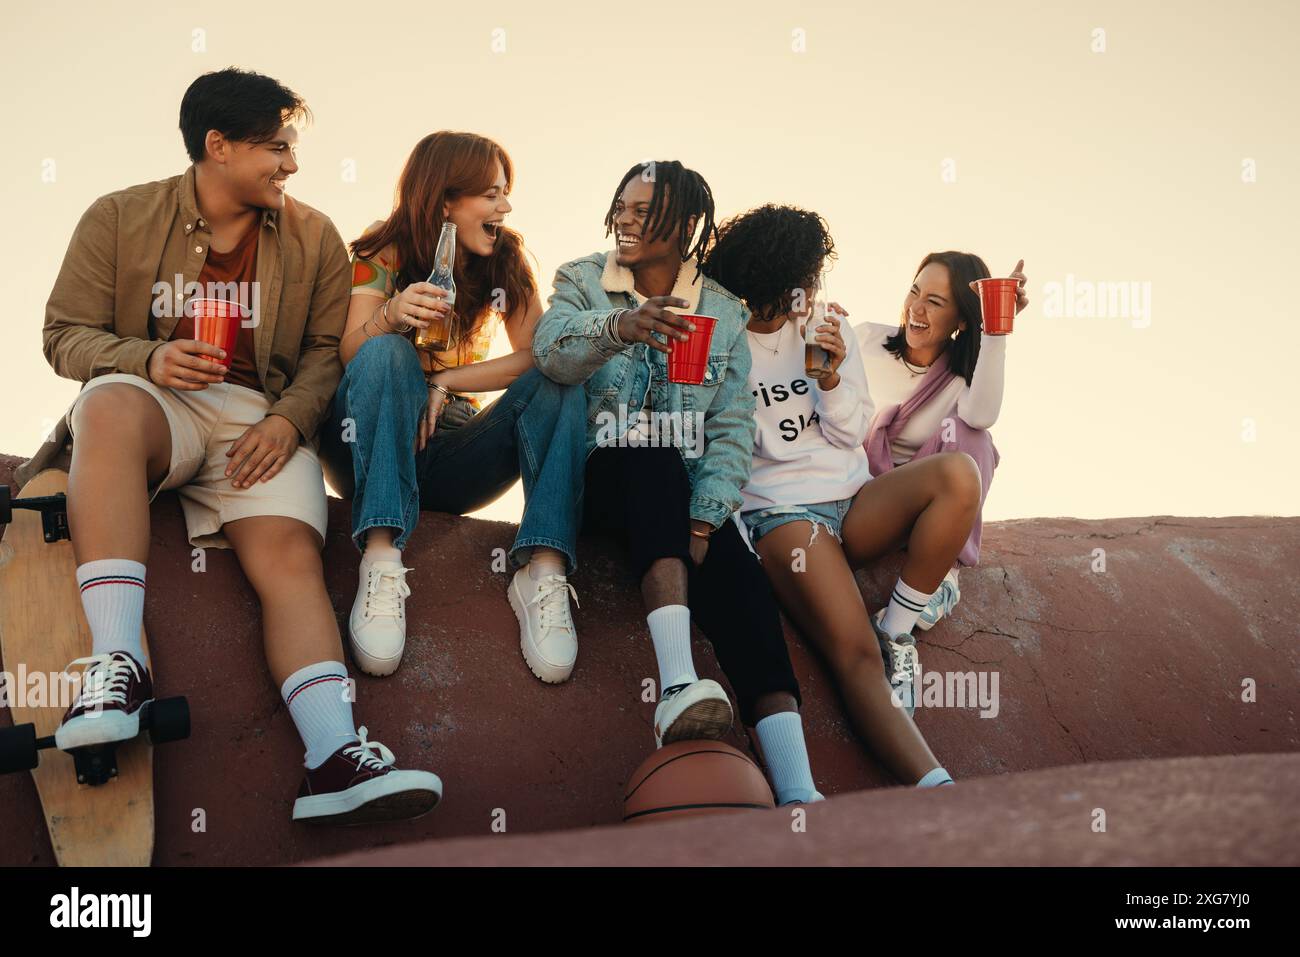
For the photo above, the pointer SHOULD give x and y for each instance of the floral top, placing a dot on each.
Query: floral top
(376, 277)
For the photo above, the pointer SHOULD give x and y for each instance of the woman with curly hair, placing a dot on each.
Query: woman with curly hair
(811, 508)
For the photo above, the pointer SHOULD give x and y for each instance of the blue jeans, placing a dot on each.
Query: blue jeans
(535, 431)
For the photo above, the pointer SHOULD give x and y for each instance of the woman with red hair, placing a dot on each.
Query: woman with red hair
(408, 431)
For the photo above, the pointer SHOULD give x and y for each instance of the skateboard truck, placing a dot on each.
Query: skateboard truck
(164, 719)
(53, 509)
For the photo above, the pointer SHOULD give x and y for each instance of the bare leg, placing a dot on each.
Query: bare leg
(281, 557)
(664, 583)
(930, 504)
(824, 602)
(123, 445)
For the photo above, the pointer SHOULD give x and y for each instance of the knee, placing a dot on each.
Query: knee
(960, 476)
(284, 562)
(115, 412)
(388, 361)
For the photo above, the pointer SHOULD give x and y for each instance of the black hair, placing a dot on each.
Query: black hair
(239, 104)
(764, 255)
(687, 195)
(964, 350)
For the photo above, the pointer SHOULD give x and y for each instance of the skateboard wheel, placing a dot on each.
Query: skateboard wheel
(18, 748)
(169, 720)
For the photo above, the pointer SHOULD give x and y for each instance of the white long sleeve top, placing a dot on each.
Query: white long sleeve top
(891, 383)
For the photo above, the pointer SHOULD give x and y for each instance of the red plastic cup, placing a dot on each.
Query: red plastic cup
(688, 360)
(998, 304)
(216, 322)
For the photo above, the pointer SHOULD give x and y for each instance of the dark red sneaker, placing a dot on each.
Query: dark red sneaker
(361, 784)
(114, 689)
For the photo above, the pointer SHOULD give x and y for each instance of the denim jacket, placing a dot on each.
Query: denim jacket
(571, 345)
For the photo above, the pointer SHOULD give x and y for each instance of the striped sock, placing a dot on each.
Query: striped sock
(934, 778)
(112, 595)
(905, 606)
(786, 755)
(318, 700)
(670, 630)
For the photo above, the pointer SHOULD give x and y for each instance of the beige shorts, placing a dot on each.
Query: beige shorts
(203, 424)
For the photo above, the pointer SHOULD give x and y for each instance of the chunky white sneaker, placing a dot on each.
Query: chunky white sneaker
(547, 637)
(689, 712)
(942, 602)
(901, 663)
(377, 626)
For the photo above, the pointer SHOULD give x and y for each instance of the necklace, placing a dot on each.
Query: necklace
(754, 338)
(910, 368)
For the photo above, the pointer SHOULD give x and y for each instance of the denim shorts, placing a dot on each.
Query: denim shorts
(829, 515)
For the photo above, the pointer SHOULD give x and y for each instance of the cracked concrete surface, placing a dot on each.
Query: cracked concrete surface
(1142, 662)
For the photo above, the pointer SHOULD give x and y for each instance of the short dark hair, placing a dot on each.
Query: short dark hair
(687, 195)
(963, 269)
(763, 255)
(239, 104)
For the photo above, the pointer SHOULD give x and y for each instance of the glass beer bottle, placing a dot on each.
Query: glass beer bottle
(816, 360)
(437, 336)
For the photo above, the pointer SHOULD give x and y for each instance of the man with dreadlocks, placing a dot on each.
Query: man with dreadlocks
(670, 497)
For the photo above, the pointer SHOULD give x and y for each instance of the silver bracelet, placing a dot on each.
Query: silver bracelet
(611, 328)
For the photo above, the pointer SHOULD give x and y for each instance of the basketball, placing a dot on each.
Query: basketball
(690, 778)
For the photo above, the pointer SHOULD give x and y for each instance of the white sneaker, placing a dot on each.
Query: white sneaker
(377, 626)
(942, 602)
(547, 638)
(901, 663)
(689, 712)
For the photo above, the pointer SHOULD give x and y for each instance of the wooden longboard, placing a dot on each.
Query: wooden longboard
(42, 630)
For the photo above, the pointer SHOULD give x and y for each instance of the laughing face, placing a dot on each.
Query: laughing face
(256, 172)
(634, 247)
(929, 311)
(479, 217)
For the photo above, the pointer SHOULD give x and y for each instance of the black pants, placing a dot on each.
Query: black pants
(641, 496)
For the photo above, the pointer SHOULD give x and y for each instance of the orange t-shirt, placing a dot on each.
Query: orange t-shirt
(239, 265)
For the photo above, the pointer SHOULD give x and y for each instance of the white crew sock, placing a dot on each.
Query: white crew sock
(780, 736)
(112, 594)
(670, 630)
(934, 778)
(317, 696)
(905, 606)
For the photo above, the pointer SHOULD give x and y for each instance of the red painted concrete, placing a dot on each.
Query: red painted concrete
(1220, 811)
(1144, 661)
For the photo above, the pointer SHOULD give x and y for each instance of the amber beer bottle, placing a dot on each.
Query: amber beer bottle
(816, 360)
(437, 336)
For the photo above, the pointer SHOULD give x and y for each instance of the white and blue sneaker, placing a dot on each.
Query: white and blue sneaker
(901, 663)
(942, 602)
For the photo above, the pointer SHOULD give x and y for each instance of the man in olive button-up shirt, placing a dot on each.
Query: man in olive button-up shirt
(141, 313)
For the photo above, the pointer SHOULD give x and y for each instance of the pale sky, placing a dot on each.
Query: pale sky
(1103, 144)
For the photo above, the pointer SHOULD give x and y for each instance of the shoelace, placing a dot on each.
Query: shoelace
(551, 603)
(384, 591)
(369, 754)
(104, 680)
(905, 662)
